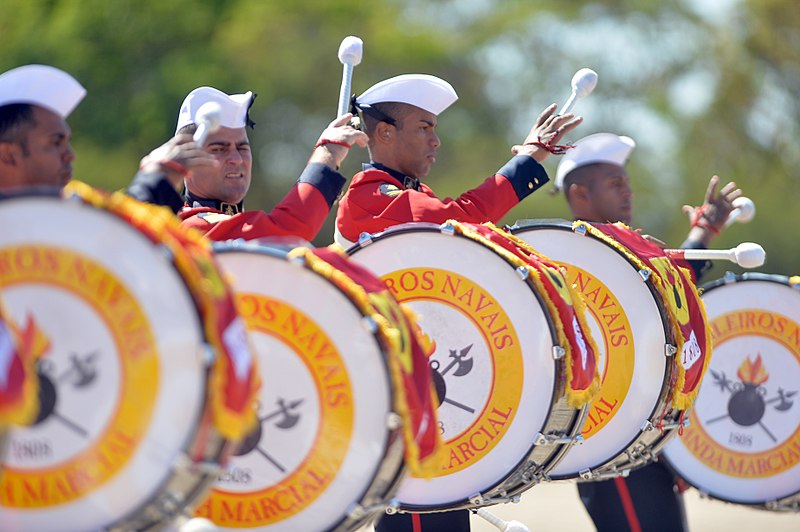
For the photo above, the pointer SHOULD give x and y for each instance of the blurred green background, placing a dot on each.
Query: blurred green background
(704, 86)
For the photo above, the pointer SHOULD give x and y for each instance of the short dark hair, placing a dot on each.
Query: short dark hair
(16, 120)
(394, 110)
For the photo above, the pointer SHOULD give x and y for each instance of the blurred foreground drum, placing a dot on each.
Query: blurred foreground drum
(743, 443)
(633, 416)
(145, 375)
(503, 381)
(328, 450)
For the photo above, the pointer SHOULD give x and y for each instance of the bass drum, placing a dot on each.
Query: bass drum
(631, 325)
(743, 442)
(503, 409)
(125, 437)
(327, 452)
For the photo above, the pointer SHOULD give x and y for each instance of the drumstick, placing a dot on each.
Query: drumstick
(505, 526)
(746, 254)
(208, 118)
(350, 52)
(583, 83)
(743, 211)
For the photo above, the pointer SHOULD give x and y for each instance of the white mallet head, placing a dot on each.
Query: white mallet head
(351, 50)
(198, 524)
(749, 255)
(207, 119)
(583, 82)
(746, 209)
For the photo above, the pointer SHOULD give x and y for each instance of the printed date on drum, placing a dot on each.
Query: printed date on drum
(740, 440)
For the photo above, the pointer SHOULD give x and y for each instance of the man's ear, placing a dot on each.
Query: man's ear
(577, 192)
(10, 153)
(384, 132)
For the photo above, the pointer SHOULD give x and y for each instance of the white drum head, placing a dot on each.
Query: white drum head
(626, 325)
(324, 401)
(493, 356)
(123, 379)
(743, 443)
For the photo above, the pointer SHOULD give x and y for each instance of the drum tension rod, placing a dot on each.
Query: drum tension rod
(588, 474)
(479, 500)
(550, 439)
(648, 425)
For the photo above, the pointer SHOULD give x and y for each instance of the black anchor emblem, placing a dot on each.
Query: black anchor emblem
(747, 405)
(463, 366)
(49, 392)
(287, 418)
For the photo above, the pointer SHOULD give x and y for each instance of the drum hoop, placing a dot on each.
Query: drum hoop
(390, 469)
(558, 400)
(789, 502)
(662, 407)
(185, 481)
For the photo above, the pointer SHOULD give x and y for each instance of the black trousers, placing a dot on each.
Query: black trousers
(453, 521)
(647, 501)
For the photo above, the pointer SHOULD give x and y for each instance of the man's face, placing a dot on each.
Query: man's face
(46, 158)
(415, 142)
(230, 181)
(610, 198)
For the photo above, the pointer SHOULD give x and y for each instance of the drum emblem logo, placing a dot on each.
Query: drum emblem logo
(474, 357)
(747, 403)
(744, 422)
(96, 400)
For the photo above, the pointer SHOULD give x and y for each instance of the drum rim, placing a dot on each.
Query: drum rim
(391, 463)
(729, 278)
(661, 405)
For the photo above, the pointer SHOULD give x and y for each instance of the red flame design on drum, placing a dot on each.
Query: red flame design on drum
(753, 372)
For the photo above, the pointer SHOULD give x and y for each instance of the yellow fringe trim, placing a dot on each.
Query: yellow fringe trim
(391, 332)
(194, 260)
(575, 398)
(680, 399)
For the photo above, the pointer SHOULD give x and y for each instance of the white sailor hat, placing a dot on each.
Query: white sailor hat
(234, 107)
(41, 85)
(426, 92)
(597, 148)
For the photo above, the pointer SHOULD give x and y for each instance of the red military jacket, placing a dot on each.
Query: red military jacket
(380, 197)
(301, 213)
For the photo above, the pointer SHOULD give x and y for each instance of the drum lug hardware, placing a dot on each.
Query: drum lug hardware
(477, 499)
(210, 354)
(168, 254)
(393, 421)
(670, 350)
(369, 324)
(645, 274)
(392, 507)
(729, 277)
(523, 272)
(772, 505)
(364, 239)
(447, 229)
(549, 439)
(586, 474)
(558, 352)
(580, 229)
(672, 425)
(647, 426)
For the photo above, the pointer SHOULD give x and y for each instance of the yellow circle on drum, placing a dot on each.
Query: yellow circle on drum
(309, 479)
(617, 351)
(493, 325)
(85, 283)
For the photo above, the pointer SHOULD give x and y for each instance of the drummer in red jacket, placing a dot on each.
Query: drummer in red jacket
(217, 175)
(400, 117)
